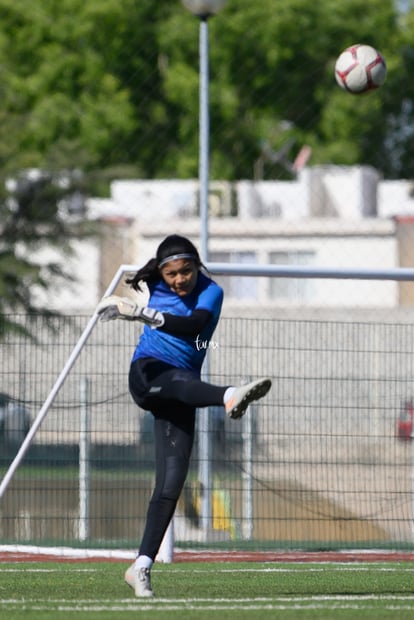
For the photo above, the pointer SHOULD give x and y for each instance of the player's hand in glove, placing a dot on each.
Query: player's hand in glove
(114, 307)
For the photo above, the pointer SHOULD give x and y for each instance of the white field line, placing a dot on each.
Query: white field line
(390, 602)
(47, 570)
(336, 602)
(271, 607)
(260, 599)
(351, 567)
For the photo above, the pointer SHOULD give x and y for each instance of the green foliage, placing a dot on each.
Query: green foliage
(115, 83)
(272, 80)
(34, 215)
(57, 89)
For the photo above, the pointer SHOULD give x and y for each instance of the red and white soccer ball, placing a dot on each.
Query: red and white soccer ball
(360, 68)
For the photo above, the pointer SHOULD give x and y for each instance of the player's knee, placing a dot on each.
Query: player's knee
(175, 477)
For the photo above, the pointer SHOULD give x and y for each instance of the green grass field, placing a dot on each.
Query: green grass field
(201, 591)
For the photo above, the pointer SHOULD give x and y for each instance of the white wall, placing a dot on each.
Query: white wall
(326, 243)
(345, 192)
(272, 216)
(81, 295)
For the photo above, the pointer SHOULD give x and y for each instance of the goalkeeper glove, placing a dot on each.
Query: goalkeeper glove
(114, 307)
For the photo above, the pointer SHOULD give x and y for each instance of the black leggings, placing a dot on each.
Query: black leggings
(172, 395)
(158, 387)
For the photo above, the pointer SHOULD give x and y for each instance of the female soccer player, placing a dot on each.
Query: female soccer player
(183, 310)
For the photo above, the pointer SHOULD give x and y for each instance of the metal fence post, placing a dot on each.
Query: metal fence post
(84, 462)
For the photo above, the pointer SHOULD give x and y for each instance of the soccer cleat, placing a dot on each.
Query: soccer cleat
(140, 581)
(244, 395)
(130, 576)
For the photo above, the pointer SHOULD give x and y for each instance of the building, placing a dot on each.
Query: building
(330, 216)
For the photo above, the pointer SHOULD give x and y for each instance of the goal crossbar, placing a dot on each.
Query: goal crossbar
(301, 271)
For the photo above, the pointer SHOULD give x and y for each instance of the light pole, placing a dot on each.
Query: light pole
(203, 9)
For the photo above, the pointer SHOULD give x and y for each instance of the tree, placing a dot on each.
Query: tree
(36, 209)
(59, 99)
(272, 68)
(61, 109)
(115, 84)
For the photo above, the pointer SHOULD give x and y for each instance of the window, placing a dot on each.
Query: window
(236, 287)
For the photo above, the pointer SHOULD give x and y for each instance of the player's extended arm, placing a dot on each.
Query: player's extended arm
(114, 307)
(189, 326)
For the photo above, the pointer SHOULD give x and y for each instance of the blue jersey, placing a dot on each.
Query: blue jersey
(181, 351)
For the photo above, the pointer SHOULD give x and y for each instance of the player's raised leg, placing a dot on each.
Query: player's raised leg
(242, 396)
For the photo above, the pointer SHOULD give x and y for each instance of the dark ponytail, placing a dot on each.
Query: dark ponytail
(173, 246)
(148, 273)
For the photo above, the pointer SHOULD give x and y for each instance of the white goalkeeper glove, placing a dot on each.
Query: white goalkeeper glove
(114, 307)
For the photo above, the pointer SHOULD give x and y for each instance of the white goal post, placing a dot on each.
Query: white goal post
(58, 384)
(281, 271)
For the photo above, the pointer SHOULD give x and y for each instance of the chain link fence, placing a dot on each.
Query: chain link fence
(325, 459)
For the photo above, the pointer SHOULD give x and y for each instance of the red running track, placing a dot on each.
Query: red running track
(21, 555)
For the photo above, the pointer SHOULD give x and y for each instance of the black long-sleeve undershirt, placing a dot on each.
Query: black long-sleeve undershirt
(189, 326)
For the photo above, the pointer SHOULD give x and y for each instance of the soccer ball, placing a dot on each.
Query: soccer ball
(360, 68)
